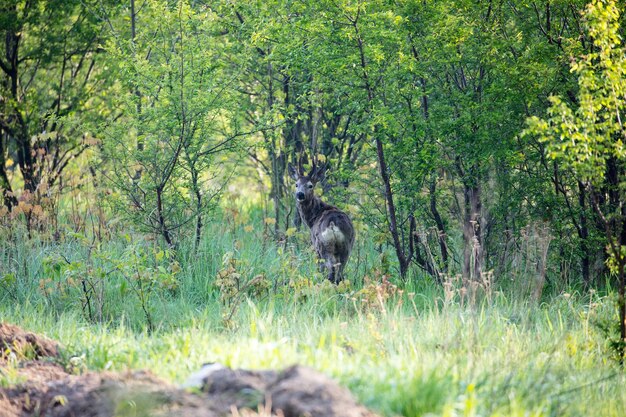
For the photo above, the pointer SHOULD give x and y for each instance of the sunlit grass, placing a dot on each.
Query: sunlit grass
(481, 360)
(411, 350)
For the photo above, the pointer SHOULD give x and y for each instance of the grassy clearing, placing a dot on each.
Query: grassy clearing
(488, 360)
(408, 351)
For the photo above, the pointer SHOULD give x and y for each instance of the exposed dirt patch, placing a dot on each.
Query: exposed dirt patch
(43, 388)
(297, 391)
(97, 395)
(237, 388)
(302, 391)
(25, 343)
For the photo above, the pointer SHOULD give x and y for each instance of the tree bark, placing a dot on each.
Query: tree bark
(621, 307)
(441, 228)
(8, 198)
(472, 233)
(161, 218)
(198, 194)
(403, 260)
(20, 131)
(585, 261)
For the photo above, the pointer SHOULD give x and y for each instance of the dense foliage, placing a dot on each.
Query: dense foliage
(477, 145)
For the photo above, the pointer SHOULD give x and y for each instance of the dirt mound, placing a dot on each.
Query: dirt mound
(97, 395)
(25, 344)
(296, 391)
(43, 388)
(302, 391)
(238, 388)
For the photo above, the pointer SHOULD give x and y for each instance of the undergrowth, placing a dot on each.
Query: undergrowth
(410, 348)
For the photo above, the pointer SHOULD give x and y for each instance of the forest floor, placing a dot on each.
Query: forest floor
(490, 359)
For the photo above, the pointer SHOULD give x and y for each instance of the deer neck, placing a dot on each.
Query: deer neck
(311, 210)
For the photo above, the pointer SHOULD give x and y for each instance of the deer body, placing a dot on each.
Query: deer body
(332, 233)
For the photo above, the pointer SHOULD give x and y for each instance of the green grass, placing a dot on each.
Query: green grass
(412, 355)
(489, 360)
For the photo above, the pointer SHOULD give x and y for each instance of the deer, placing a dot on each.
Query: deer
(332, 232)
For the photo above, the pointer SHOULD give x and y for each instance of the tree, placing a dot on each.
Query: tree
(590, 137)
(175, 94)
(50, 86)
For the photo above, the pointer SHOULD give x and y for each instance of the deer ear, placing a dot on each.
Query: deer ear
(293, 173)
(319, 173)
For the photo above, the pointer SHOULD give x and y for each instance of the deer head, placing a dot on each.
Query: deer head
(305, 183)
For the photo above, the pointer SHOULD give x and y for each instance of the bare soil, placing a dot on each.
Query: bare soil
(37, 384)
(16, 340)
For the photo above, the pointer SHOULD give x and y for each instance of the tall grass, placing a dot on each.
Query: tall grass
(410, 349)
(503, 359)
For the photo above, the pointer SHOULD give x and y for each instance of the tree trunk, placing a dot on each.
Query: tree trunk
(621, 300)
(432, 188)
(161, 218)
(403, 260)
(198, 194)
(8, 198)
(25, 152)
(621, 283)
(615, 242)
(276, 182)
(25, 158)
(441, 228)
(585, 259)
(136, 91)
(472, 233)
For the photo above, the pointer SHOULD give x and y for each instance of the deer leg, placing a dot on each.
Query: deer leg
(336, 274)
(340, 265)
(329, 265)
(339, 276)
(331, 270)
(331, 276)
